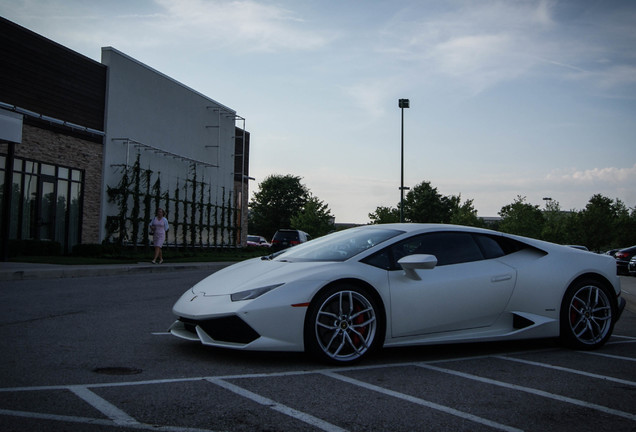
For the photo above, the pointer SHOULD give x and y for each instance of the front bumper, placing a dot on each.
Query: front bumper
(621, 306)
(222, 331)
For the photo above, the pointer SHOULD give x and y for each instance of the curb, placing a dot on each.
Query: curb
(61, 271)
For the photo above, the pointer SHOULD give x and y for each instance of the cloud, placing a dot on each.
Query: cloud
(572, 188)
(609, 175)
(239, 25)
(477, 43)
(480, 45)
(245, 25)
(370, 96)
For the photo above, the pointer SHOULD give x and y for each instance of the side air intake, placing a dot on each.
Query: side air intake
(519, 322)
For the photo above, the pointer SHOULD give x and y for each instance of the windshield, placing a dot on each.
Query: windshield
(339, 246)
(286, 235)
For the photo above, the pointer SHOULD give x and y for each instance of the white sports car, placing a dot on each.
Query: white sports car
(344, 295)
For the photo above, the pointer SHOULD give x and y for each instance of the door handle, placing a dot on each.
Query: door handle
(501, 278)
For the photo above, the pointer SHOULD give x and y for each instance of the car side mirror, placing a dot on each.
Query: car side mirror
(411, 263)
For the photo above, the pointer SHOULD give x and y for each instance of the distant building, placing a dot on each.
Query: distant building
(103, 144)
(490, 221)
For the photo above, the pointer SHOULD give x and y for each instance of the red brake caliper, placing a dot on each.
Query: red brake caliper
(358, 320)
(573, 313)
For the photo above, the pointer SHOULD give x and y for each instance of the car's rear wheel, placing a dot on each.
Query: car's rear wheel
(344, 324)
(587, 315)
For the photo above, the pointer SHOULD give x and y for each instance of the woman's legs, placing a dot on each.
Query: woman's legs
(157, 254)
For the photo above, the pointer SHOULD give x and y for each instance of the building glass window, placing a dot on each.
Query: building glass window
(61, 209)
(46, 221)
(3, 163)
(16, 193)
(48, 170)
(46, 203)
(75, 213)
(31, 167)
(28, 208)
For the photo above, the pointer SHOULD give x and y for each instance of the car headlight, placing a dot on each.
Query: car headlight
(252, 293)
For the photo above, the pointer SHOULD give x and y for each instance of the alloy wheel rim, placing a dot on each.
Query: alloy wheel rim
(590, 315)
(345, 325)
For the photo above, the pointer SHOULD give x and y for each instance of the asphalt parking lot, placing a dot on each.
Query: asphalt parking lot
(529, 386)
(512, 391)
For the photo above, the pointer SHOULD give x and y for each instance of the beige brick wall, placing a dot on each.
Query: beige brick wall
(52, 147)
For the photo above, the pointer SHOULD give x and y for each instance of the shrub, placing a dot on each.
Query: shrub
(34, 248)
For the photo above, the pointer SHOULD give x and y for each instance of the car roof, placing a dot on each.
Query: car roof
(422, 228)
(430, 227)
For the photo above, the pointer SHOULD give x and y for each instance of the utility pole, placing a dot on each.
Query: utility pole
(402, 103)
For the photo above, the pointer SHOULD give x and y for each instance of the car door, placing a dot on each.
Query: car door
(465, 290)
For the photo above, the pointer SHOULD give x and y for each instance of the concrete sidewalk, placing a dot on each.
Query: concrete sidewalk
(17, 271)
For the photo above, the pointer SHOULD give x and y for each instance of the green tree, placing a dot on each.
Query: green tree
(601, 221)
(278, 199)
(383, 215)
(521, 218)
(315, 218)
(558, 226)
(424, 204)
(627, 233)
(625, 227)
(465, 214)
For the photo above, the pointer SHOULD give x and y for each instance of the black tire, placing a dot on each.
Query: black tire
(344, 324)
(587, 315)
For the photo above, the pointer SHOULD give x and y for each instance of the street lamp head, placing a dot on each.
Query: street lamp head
(403, 103)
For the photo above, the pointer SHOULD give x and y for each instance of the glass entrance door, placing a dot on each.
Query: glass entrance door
(46, 220)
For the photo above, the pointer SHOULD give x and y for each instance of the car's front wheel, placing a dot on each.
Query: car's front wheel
(344, 324)
(587, 315)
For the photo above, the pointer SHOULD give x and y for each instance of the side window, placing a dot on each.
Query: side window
(448, 247)
(380, 259)
(490, 247)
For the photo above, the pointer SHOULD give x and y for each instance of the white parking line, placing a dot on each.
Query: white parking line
(630, 338)
(57, 417)
(118, 416)
(564, 369)
(609, 356)
(532, 391)
(299, 415)
(423, 402)
(99, 422)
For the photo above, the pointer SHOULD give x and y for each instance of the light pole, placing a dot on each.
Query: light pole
(547, 200)
(402, 103)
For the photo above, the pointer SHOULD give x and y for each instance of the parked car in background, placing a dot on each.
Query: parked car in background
(285, 238)
(612, 252)
(254, 240)
(631, 267)
(622, 259)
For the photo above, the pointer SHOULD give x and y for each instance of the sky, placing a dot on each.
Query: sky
(508, 98)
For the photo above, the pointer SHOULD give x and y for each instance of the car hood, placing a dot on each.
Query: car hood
(257, 273)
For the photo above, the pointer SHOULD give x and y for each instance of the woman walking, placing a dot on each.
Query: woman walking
(158, 228)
